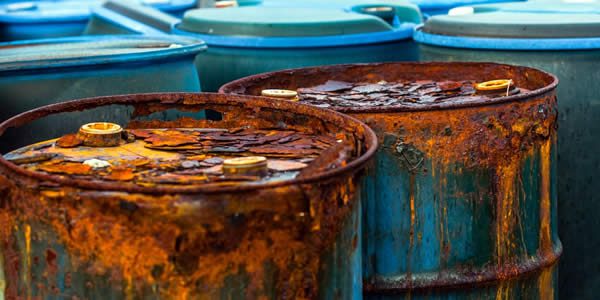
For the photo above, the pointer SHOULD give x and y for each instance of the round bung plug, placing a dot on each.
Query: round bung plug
(246, 166)
(100, 134)
(281, 94)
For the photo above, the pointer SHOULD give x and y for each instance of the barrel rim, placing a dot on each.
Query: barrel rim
(453, 280)
(505, 44)
(355, 165)
(404, 32)
(229, 88)
(191, 47)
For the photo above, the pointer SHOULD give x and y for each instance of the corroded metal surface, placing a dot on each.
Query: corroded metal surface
(464, 190)
(69, 234)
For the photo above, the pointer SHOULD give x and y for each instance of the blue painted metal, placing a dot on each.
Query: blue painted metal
(38, 19)
(35, 73)
(461, 199)
(576, 61)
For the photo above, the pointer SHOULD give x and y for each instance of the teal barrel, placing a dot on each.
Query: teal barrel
(461, 200)
(249, 40)
(562, 38)
(41, 72)
(263, 203)
(40, 19)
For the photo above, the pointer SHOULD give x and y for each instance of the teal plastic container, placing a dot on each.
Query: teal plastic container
(249, 40)
(564, 39)
(42, 72)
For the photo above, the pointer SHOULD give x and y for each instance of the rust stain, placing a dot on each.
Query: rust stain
(546, 245)
(546, 284)
(496, 134)
(185, 242)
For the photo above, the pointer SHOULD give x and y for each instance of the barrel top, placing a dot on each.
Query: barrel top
(263, 26)
(389, 87)
(198, 154)
(93, 50)
(269, 22)
(520, 20)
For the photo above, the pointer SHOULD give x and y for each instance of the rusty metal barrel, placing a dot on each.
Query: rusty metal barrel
(260, 202)
(461, 201)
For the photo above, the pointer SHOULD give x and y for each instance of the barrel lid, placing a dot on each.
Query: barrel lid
(520, 20)
(279, 22)
(280, 27)
(430, 5)
(189, 154)
(93, 50)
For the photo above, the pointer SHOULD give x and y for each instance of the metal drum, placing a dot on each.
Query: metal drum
(461, 201)
(261, 203)
(562, 38)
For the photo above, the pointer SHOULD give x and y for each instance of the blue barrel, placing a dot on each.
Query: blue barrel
(127, 17)
(22, 20)
(562, 38)
(249, 40)
(41, 72)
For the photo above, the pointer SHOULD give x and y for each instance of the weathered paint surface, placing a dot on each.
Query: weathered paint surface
(461, 194)
(535, 286)
(300, 239)
(578, 163)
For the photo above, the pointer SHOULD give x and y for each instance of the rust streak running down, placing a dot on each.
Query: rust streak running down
(462, 192)
(155, 217)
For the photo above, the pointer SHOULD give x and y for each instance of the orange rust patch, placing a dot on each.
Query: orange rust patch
(68, 168)
(69, 141)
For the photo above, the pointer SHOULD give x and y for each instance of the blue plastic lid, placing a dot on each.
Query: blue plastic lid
(282, 27)
(538, 25)
(428, 5)
(93, 50)
(170, 5)
(55, 11)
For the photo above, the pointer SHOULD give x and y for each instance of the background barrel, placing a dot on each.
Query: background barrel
(298, 237)
(463, 193)
(562, 38)
(249, 40)
(37, 73)
(41, 19)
